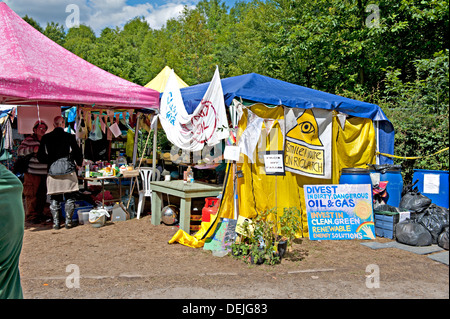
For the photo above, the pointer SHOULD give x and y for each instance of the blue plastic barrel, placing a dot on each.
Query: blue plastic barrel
(355, 176)
(393, 175)
(433, 184)
(394, 186)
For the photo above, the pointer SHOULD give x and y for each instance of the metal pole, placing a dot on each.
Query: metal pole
(135, 147)
(136, 138)
(377, 130)
(155, 133)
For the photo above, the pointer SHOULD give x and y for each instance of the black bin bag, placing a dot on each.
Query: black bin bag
(414, 201)
(435, 219)
(411, 233)
(443, 239)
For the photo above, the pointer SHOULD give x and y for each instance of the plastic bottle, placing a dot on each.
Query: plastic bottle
(86, 172)
(190, 175)
(121, 160)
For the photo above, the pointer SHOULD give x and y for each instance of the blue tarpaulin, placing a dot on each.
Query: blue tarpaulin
(258, 88)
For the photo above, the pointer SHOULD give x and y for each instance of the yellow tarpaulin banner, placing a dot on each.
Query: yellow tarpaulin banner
(353, 146)
(130, 143)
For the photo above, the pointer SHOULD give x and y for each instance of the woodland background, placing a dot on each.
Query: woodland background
(395, 54)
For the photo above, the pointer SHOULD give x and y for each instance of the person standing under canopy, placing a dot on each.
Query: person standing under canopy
(61, 152)
(34, 183)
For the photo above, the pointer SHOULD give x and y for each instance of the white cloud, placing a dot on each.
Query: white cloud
(99, 14)
(48, 10)
(112, 13)
(158, 18)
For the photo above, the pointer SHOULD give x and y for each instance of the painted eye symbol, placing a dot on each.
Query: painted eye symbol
(307, 127)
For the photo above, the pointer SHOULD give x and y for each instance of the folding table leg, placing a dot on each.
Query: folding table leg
(185, 214)
(141, 203)
(156, 207)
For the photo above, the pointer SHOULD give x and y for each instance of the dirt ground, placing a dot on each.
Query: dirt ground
(133, 260)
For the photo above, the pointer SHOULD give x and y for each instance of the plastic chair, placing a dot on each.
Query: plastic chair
(147, 175)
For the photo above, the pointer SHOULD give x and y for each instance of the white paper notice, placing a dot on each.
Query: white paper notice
(115, 130)
(431, 183)
(273, 163)
(404, 216)
(232, 153)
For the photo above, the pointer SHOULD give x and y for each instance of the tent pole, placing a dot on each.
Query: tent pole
(235, 195)
(155, 133)
(136, 138)
(377, 130)
(233, 114)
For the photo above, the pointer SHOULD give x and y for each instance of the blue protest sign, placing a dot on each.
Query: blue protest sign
(341, 211)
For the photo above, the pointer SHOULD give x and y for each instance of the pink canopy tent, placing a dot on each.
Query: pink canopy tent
(36, 70)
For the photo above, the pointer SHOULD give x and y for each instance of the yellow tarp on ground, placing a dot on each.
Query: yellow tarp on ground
(159, 82)
(197, 240)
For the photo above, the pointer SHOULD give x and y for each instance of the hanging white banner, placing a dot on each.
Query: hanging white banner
(308, 142)
(207, 125)
(250, 137)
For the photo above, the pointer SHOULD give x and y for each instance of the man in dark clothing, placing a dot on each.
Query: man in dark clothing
(62, 183)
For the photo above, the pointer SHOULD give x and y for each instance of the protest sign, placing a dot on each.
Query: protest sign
(308, 142)
(341, 211)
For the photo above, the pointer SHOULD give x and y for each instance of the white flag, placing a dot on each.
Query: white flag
(206, 125)
(250, 137)
(171, 111)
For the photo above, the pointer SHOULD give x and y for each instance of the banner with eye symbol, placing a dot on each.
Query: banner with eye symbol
(308, 142)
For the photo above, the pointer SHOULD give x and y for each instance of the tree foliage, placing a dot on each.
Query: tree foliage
(419, 111)
(393, 53)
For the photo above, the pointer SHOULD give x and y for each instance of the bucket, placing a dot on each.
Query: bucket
(355, 176)
(99, 222)
(97, 217)
(433, 184)
(393, 175)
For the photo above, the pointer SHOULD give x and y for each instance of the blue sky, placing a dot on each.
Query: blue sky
(99, 14)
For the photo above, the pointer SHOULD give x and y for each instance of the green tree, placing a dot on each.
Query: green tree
(221, 26)
(195, 46)
(419, 112)
(160, 49)
(134, 34)
(55, 32)
(32, 22)
(109, 53)
(332, 46)
(252, 34)
(82, 42)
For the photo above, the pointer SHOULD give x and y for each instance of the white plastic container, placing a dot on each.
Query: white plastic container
(83, 216)
(118, 213)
